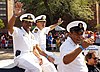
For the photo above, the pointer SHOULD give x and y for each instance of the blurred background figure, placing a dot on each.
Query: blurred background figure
(92, 60)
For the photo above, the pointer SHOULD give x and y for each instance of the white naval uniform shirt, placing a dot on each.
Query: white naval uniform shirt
(40, 36)
(27, 60)
(22, 40)
(78, 65)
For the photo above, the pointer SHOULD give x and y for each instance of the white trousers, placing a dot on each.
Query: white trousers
(30, 63)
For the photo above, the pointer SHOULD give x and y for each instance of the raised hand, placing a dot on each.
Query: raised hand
(60, 21)
(18, 8)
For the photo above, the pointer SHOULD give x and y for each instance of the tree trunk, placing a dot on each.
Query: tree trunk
(97, 12)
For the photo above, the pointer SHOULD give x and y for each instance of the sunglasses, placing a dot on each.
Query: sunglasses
(95, 58)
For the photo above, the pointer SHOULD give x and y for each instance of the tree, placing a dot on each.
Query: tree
(97, 2)
(80, 9)
(98, 18)
(1, 24)
(97, 10)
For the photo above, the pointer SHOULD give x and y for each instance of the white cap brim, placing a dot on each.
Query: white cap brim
(25, 15)
(39, 17)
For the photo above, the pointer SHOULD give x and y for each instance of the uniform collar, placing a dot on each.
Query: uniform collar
(71, 41)
(24, 31)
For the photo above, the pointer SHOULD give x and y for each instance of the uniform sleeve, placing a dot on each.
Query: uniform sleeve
(46, 30)
(65, 49)
(15, 32)
(35, 42)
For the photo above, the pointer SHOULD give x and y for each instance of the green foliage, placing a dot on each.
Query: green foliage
(1, 24)
(57, 8)
(34, 6)
(98, 26)
(81, 8)
(93, 1)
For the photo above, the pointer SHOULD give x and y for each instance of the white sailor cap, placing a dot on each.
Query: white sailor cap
(40, 18)
(78, 25)
(27, 17)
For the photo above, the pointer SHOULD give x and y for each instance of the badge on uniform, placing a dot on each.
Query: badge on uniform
(29, 16)
(80, 25)
(36, 30)
(43, 18)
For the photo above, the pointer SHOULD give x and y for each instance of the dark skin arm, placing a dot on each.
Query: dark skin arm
(68, 58)
(17, 12)
(71, 56)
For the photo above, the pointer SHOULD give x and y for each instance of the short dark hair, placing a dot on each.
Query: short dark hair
(89, 55)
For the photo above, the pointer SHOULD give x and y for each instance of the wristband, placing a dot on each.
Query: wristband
(81, 47)
(47, 56)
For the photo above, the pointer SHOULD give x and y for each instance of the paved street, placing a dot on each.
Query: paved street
(6, 57)
(6, 54)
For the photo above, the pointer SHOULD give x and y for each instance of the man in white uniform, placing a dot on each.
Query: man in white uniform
(71, 58)
(40, 32)
(26, 48)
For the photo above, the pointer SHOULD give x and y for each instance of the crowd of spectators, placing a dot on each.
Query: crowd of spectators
(6, 41)
(95, 34)
(54, 40)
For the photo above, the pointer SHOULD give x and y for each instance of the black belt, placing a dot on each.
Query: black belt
(18, 52)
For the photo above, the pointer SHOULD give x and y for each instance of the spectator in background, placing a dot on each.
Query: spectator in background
(3, 41)
(62, 38)
(97, 41)
(90, 33)
(58, 43)
(95, 35)
(50, 38)
(91, 62)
